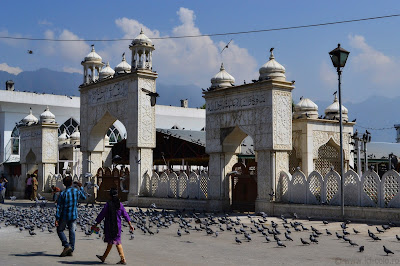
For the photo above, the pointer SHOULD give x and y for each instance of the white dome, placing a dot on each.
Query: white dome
(272, 69)
(222, 79)
(123, 67)
(47, 117)
(30, 119)
(93, 56)
(332, 111)
(305, 109)
(76, 135)
(106, 72)
(306, 104)
(63, 136)
(142, 39)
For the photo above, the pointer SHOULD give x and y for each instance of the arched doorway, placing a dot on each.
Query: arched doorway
(328, 156)
(31, 164)
(240, 169)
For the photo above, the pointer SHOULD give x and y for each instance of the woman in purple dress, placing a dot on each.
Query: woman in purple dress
(113, 211)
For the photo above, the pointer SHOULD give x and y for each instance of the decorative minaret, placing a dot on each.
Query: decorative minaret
(92, 62)
(142, 48)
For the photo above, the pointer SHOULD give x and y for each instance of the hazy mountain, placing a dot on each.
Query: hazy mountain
(375, 112)
(44, 81)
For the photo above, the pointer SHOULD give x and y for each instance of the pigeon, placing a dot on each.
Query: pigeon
(238, 241)
(267, 239)
(280, 244)
(355, 231)
(387, 251)
(179, 232)
(325, 222)
(312, 239)
(338, 236)
(13, 198)
(361, 249)
(398, 238)
(288, 237)
(379, 230)
(374, 237)
(352, 243)
(328, 232)
(304, 242)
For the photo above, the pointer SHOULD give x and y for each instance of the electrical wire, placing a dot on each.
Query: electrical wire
(206, 35)
(371, 128)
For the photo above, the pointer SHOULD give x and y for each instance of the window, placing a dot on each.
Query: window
(15, 141)
(70, 125)
(114, 135)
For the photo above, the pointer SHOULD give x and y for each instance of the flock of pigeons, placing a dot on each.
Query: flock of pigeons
(40, 218)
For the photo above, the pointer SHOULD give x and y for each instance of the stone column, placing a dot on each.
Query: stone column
(215, 169)
(96, 158)
(40, 177)
(265, 177)
(85, 162)
(219, 187)
(48, 170)
(134, 156)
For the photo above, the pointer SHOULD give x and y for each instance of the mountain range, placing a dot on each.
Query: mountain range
(377, 113)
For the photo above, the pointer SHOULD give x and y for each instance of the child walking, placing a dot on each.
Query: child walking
(112, 212)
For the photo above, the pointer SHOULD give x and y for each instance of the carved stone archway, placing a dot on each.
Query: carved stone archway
(262, 110)
(126, 98)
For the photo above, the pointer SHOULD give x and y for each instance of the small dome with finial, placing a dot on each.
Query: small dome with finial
(106, 72)
(93, 56)
(142, 39)
(332, 111)
(222, 79)
(272, 69)
(47, 117)
(123, 67)
(305, 109)
(30, 119)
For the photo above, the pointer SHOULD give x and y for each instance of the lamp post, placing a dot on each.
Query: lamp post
(339, 58)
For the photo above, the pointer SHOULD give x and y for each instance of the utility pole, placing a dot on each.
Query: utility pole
(357, 142)
(366, 139)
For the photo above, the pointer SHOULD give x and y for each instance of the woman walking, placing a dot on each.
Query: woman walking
(112, 212)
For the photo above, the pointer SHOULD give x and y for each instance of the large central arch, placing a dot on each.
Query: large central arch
(124, 98)
(261, 110)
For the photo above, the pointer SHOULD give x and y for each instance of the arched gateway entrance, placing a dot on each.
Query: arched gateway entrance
(128, 96)
(261, 110)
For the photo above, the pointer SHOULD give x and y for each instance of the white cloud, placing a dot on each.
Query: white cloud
(73, 70)
(74, 51)
(45, 22)
(380, 68)
(189, 60)
(10, 69)
(327, 74)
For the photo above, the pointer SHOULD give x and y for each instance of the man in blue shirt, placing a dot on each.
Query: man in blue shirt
(66, 214)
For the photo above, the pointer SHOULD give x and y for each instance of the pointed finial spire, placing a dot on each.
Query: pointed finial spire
(141, 30)
(222, 67)
(30, 110)
(272, 54)
(108, 64)
(123, 57)
(92, 47)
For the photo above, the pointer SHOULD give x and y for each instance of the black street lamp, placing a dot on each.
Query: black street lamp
(339, 58)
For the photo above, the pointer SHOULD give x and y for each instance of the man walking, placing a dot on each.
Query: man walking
(67, 213)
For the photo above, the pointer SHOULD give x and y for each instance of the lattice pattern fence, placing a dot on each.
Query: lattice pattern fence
(170, 185)
(367, 191)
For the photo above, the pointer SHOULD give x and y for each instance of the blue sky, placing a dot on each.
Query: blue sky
(372, 68)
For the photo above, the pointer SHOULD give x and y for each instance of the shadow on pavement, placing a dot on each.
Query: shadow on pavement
(81, 262)
(35, 254)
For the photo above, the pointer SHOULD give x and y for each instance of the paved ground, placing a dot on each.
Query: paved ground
(196, 248)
